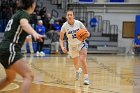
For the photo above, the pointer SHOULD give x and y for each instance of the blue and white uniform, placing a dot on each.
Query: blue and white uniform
(74, 44)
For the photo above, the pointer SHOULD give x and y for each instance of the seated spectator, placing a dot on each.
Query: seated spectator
(137, 45)
(55, 42)
(50, 22)
(57, 26)
(41, 30)
(55, 37)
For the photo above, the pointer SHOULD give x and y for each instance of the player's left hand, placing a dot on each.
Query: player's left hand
(85, 37)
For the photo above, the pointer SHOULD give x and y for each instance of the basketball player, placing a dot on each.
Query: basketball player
(11, 58)
(77, 49)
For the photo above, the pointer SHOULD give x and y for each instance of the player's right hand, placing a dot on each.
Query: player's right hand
(38, 37)
(64, 50)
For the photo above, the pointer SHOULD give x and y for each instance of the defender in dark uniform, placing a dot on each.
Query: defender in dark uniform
(13, 40)
(11, 58)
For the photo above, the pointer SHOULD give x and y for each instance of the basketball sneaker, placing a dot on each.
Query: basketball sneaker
(42, 53)
(37, 53)
(86, 81)
(77, 74)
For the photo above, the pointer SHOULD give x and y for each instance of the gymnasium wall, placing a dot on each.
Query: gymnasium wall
(133, 0)
(117, 15)
(124, 0)
(102, 1)
(118, 20)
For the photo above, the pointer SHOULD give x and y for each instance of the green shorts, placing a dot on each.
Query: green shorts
(8, 58)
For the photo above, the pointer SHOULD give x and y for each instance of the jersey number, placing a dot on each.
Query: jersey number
(73, 36)
(8, 27)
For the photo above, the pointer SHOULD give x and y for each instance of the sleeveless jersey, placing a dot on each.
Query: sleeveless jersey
(14, 35)
(71, 30)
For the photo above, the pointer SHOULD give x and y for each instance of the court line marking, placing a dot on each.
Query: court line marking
(63, 82)
(8, 89)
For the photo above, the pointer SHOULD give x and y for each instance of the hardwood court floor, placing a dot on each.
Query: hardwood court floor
(107, 74)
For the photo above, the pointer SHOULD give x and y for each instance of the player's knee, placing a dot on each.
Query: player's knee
(29, 76)
(83, 58)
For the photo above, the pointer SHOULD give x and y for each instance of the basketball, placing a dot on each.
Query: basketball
(81, 34)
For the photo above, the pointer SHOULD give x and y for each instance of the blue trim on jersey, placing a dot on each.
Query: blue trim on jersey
(85, 45)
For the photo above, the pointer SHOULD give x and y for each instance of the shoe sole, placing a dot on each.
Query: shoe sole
(86, 84)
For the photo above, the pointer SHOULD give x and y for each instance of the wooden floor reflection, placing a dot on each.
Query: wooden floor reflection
(107, 74)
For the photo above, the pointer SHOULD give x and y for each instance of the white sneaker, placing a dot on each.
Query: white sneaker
(37, 54)
(42, 53)
(77, 74)
(86, 81)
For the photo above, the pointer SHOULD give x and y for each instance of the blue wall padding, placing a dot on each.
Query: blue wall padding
(85, 0)
(117, 0)
(137, 25)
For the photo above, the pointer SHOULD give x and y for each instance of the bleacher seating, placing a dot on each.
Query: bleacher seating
(103, 36)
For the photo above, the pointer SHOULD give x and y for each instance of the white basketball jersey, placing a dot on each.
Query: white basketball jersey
(71, 30)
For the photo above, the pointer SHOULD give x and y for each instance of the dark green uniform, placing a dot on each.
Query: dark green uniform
(14, 37)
